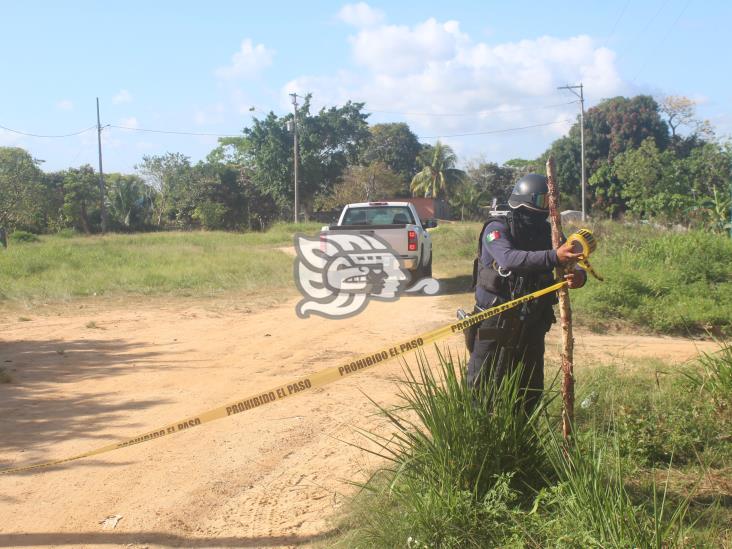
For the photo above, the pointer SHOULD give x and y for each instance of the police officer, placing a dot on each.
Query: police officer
(515, 258)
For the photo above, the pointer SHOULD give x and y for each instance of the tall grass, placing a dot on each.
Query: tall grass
(463, 471)
(592, 507)
(669, 282)
(169, 263)
(657, 279)
(712, 374)
(459, 463)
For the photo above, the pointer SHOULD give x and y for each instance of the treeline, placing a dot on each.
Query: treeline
(644, 159)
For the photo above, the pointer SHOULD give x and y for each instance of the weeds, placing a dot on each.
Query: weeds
(712, 375)
(463, 472)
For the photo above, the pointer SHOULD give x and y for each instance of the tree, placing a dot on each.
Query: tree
(467, 198)
(681, 111)
(612, 127)
(438, 174)
(654, 183)
(81, 198)
(328, 142)
(395, 146)
(170, 176)
(20, 190)
(129, 201)
(491, 180)
(374, 181)
(521, 166)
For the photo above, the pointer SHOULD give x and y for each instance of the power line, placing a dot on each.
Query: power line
(644, 29)
(489, 132)
(175, 132)
(48, 136)
(475, 113)
(663, 39)
(617, 22)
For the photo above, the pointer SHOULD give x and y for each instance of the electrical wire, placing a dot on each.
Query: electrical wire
(663, 38)
(481, 112)
(213, 134)
(617, 21)
(498, 110)
(643, 30)
(504, 130)
(48, 136)
(176, 132)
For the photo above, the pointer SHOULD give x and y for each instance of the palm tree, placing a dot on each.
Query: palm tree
(438, 174)
(466, 197)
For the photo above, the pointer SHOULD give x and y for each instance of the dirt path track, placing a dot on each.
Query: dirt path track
(267, 478)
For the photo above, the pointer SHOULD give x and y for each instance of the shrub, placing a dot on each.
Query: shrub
(20, 237)
(210, 215)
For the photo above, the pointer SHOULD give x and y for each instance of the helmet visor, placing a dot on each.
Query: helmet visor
(540, 201)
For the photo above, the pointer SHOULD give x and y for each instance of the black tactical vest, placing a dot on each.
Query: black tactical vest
(530, 237)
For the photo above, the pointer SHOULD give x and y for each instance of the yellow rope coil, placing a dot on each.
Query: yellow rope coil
(584, 242)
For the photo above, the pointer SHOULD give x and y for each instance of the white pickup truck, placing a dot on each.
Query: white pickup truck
(398, 224)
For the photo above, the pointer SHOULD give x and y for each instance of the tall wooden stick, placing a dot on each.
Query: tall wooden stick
(565, 311)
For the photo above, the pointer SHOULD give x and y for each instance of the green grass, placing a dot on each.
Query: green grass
(666, 282)
(166, 263)
(661, 281)
(459, 473)
(669, 282)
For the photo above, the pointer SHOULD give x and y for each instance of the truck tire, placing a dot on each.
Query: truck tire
(427, 272)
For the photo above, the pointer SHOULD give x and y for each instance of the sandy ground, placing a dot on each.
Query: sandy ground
(270, 477)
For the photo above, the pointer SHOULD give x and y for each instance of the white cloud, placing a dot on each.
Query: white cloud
(360, 15)
(442, 82)
(65, 105)
(122, 96)
(249, 60)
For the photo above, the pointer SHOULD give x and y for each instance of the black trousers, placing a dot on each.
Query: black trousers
(488, 365)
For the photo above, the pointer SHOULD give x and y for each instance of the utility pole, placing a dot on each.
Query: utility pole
(581, 96)
(294, 131)
(102, 189)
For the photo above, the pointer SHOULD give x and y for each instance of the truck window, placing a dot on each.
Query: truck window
(378, 215)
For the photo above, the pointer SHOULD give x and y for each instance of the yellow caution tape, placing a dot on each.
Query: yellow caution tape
(583, 241)
(303, 384)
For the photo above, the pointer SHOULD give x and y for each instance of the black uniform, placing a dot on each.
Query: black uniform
(516, 258)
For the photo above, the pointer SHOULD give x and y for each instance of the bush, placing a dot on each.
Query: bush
(21, 237)
(211, 215)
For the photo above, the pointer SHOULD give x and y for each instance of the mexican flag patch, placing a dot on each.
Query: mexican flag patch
(493, 235)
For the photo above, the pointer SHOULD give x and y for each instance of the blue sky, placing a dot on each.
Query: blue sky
(446, 68)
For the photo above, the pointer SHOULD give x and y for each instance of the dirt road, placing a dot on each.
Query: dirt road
(270, 477)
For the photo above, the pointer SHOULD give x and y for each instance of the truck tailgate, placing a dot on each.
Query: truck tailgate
(394, 235)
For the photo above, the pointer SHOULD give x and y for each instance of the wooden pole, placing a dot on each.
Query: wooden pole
(565, 311)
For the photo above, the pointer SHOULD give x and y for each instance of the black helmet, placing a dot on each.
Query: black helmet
(531, 192)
